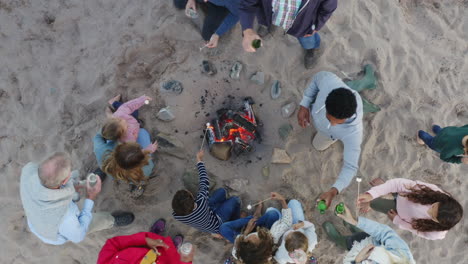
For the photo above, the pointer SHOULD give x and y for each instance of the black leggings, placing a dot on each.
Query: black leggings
(213, 18)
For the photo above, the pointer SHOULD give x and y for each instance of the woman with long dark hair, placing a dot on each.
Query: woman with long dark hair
(422, 208)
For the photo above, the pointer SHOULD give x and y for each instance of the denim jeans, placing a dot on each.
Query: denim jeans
(117, 104)
(214, 16)
(230, 230)
(297, 211)
(427, 138)
(227, 209)
(310, 42)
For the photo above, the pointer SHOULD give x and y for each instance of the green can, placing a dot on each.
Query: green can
(322, 206)
(256, 43)
(340, 209)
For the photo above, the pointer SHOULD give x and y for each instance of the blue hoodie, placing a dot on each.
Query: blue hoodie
(350, 132)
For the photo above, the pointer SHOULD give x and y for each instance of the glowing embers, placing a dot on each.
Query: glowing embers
(233, 131)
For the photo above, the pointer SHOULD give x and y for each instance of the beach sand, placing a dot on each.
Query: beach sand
(62, 60)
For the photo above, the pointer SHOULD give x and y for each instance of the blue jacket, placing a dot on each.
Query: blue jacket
(312, 15)
(350, 132)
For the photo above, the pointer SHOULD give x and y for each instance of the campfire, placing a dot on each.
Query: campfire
(233, 131)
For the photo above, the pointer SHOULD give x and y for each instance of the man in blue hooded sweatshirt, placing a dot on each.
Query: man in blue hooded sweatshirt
(336, 111)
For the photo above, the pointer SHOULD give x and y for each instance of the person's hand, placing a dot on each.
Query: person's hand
(200, 155)
(191, 5)
(348, 217)
(363, 202)
(92, 192)
(391, 214)
(464, 160)
(154, 146)
(328, 196)
(155, 243)
(250, 226)
(298, 225)
(148, 98)
(308, 35)
(303, 116)
(277, 196)
(213, 43)
(249, 36)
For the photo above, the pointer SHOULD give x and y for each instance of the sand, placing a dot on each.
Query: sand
(62, 60)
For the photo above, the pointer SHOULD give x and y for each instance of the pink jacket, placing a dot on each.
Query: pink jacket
(125, 112)
(406, 209)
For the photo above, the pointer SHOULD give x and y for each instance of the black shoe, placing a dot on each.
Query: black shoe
(100, 173)
(123, 218)
(262, 31)
(309, 58)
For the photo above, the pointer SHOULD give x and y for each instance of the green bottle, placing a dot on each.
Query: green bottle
(322, 206)
(256, 43)
(340, 209)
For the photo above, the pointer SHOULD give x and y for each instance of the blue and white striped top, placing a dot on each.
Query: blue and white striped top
(202, 218)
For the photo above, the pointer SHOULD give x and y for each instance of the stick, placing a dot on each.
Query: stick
(255, 204)
(358, 179)
(204, 136)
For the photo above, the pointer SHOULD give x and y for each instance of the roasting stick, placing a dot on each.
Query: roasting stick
(249, 206)
(358, 179)
(204, 136)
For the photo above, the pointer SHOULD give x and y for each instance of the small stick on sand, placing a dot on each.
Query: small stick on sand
(204, 136)
(249, 206)
(359, 180)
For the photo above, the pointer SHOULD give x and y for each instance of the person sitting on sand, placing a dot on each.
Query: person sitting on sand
(337, 114)
(216, 15)
(450, 142)
(204, 212)
(421, 208)
(370, 242)
(126, 162)
(123, 125)
(228, 21)
(297, 235)
(301, 19)
(145, 248)
(46, 194)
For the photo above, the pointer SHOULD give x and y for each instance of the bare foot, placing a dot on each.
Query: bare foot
(376, 182)
(419, 140)
(258, 210)
(116, 98)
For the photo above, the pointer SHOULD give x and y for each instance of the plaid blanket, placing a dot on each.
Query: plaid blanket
(284, 12)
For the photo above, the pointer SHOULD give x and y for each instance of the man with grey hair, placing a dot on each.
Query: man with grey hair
(46, 193)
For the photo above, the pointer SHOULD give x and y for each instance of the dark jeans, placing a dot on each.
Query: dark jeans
(117, 104)
(227, 209)
(230, 230)
(355, 237)
(427, 138)
(214, 16)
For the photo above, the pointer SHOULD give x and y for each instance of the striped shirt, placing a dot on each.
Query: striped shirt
(202, 217)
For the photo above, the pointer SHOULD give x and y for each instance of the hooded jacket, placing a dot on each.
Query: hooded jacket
(350, 132)
(312, 15)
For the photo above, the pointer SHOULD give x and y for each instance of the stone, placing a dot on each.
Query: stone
(266, 171)
(191, 178)
(165, 114)
(237, 185)
(236, 70)
(208, 68)
(288, 109)
(172, 86)
(221, 150)
(284, 131)
(258, 78)
(168, 144)
(275, 90)
(280, 156)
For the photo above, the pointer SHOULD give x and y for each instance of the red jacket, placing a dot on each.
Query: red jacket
(131, 250)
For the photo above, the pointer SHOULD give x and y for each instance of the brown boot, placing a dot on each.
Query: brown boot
(309, 58)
